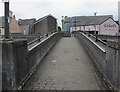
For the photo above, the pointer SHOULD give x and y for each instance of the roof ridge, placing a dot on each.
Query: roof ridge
(88, 20)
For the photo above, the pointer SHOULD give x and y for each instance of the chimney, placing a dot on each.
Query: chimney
(11, 14)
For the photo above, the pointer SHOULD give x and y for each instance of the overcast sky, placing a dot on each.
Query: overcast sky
(38, 8)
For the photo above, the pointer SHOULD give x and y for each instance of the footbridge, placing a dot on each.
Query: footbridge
(61, 62)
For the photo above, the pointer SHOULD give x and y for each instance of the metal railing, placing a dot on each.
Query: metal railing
(36, 40)
(40, 37)
(101, 41)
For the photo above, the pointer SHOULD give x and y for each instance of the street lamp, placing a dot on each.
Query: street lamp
(6, 18)
(62, 22)
(75, 23)
(95, 27)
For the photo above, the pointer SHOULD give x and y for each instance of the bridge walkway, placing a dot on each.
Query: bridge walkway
(66, 67)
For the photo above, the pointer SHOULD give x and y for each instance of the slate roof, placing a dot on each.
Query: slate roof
(88, 20)
(1, 22)
(27, 21)
(44, 18)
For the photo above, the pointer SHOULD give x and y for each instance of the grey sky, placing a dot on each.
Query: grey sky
(39, 8)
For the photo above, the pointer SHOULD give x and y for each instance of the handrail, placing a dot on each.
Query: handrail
(42, 41)
(37, 39)
(94, 43)
(99, 39)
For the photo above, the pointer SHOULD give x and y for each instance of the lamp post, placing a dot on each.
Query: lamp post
(75, 23)
(95, 28)
(62, 23)
(6, 19)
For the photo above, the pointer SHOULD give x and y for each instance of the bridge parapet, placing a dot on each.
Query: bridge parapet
(19, 62)
(106, 60)
(113, 63)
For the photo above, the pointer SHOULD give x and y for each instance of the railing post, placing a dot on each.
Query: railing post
(39, 38)
(47, 34)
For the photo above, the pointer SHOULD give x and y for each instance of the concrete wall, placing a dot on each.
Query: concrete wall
(13, 66)
(95, 51)
(107, 37)
(119, 65)
(0, 67)
(113, 63)
(107, 61)
(66, 34)
(18, 62)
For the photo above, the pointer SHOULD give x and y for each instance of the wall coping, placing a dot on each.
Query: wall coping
(94, 43)
(41, 42)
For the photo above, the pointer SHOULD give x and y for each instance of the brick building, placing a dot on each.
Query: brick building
(45, 25)
(14, 26)
(27, 25)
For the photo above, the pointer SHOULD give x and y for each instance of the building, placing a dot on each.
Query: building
(27, 26)
(14, 26)
(45, 25)
(1, 26)
(102, 25)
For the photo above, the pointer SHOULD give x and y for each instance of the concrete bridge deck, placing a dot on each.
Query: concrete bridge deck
(66, 67)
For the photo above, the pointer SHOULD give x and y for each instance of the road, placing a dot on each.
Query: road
(66, 67)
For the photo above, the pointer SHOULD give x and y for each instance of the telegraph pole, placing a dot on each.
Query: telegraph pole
(6, 19)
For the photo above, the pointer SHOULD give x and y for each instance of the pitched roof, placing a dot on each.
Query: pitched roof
(27, 21)
(44, 18)
(88, 20)
(1, 22)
